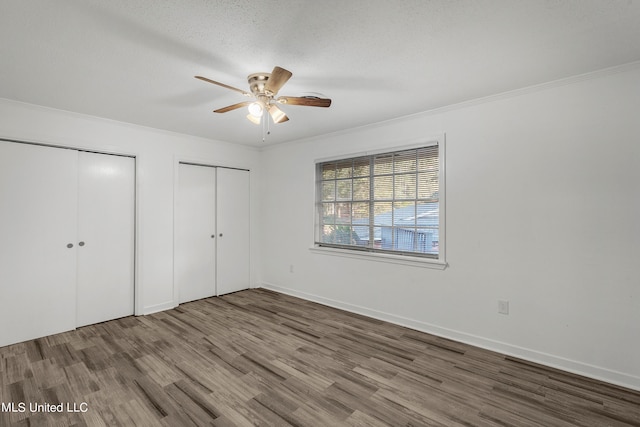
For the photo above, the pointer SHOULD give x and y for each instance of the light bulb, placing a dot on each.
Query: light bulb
(255, 109)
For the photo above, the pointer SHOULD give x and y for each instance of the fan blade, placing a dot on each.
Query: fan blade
(279, 76)
(204, 79)
(232, 107)
(309, 102)
(253, 119)
(277, 114)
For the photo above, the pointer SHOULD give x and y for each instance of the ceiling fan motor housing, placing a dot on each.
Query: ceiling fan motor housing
(257, 82)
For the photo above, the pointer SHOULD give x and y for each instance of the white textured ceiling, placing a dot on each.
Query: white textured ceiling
(134, 60)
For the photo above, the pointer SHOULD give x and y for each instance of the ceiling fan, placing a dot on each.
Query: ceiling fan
(264, 87)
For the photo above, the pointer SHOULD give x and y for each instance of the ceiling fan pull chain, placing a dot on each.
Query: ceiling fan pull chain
(268, 124)
(264, 119)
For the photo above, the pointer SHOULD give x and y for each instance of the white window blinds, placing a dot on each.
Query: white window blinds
(385, 202)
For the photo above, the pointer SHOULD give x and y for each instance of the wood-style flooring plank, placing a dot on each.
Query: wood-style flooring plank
(258, 357)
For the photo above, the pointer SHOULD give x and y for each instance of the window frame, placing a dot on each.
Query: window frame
(406, 258)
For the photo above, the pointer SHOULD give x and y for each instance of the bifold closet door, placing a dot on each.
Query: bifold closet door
(106, 237)
(195, 233)
(233, 230)
(38, 223)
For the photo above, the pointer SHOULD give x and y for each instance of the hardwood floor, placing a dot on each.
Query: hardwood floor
(257, 357)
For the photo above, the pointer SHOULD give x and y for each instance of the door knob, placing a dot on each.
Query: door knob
(81, 244)
(69, 245)
(213, 236)
(220, 234)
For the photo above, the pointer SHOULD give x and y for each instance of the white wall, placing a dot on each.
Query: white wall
(543, 210)
(157, 153)
(543, 204)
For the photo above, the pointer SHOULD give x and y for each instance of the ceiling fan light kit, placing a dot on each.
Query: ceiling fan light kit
(277, 115)
(255, 109)
(264, 87)
(254, 119)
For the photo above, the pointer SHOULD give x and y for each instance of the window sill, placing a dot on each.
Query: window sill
(382, 257)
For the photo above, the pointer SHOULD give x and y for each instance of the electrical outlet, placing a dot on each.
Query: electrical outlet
(503, 307)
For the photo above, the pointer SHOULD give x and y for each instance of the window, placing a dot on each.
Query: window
(386, 202)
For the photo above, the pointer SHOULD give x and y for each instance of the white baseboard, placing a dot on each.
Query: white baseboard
(573, 366)
(159, 307)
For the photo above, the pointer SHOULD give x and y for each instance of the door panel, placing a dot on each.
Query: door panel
(195, 248)
(233, 224)
(106, 224)
(38, 219)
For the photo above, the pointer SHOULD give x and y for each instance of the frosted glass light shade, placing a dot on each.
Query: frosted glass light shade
(255, 109)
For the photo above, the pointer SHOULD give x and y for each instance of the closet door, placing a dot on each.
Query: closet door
(233, 230)
(106, 224)
(195, 233)
(38, 220)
